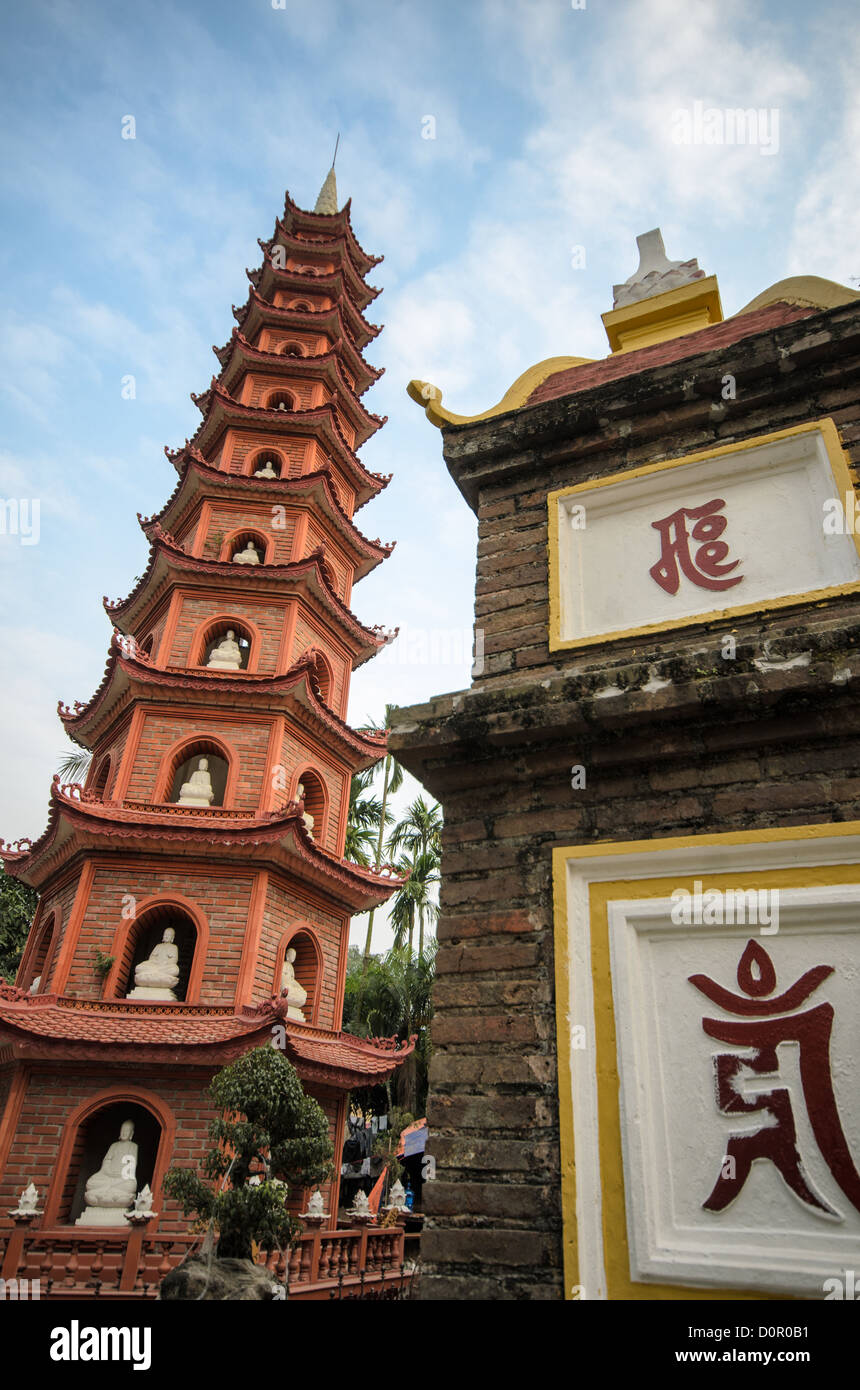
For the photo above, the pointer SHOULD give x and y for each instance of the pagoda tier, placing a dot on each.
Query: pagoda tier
(326, 329)
(79, 821)
(199, 482)
(251, 365)
(195, 899)
(336, 323)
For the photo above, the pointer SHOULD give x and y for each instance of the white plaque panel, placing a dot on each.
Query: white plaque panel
(740, 528)
(792, 1218)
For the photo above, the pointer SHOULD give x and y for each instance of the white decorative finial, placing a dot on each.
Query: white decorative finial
(327, 200)
(656, 273)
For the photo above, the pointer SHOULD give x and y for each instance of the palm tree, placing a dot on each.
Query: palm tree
(415, 899)
(420, 835)
(392, 780)
(363, 820)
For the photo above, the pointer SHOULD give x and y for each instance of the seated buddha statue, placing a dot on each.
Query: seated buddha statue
(158, 975)
(111, 1190)
(306, 815)
(198, 790)
(266, 470)
(227, 656)
(296, 994)
(248, 556)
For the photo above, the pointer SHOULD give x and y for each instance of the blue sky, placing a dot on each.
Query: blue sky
(553, 129)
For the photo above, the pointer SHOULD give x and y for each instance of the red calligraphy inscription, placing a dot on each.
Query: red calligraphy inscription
(764, 1023)
(706, 567)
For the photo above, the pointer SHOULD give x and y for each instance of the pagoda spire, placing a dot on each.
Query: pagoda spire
(327, 200)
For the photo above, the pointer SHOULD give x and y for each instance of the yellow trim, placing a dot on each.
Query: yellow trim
(569, 1240)
(842, 481)
(663, 316)
(811, 291)
(616, 1250)
(425, 394)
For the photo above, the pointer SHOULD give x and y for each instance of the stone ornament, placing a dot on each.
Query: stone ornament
(316, 1214)
(111, 1190)
(248, 556)
(141, 1210)
(158, 975)
(656, 273)
(28, 1204)
(296, 994)
(227, 656)
(198, 790)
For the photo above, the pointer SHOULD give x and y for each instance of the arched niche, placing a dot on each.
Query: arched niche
(315, 799)
(292, 349)
(101, 776)
(265, 462)
(280, 400)
(137, 938)
(214, 634)
(39, 954)
(324, 677)
(185, 760)
(88, 1134)
(238, 543)
(308, 965)
(302, 305)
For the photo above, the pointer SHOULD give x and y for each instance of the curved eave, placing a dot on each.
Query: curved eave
(258, 311)
(128, 678)
(429, 397)
(77, 825)
(43, 1025)
(330, 224)
(366, 554)
(164, 549)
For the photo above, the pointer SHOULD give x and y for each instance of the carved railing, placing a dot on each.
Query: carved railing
(76, 1264)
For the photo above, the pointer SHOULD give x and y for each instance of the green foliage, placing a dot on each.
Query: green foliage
(385, 1144)
(390, 996)
(73, 767)
(268, 1131)
(103, 963)
(18, 905)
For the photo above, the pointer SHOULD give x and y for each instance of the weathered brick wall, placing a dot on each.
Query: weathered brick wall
(721, 745)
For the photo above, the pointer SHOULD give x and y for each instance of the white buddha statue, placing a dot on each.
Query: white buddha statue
(111, 1190)
(158, 975)
(296, 994)
(34, 988)
(266, 471)
(306, 815)
(227, 656)
(248, 556)
(198, 790)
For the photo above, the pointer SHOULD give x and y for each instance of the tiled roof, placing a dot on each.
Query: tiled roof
(622, 364)
(151, 1028)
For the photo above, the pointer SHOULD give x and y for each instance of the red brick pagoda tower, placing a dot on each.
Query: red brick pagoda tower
(195, 901)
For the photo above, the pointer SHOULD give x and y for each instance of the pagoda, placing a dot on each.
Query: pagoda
(195, 901)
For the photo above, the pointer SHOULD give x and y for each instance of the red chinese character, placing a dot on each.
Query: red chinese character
(776, 1140)
(705, 567)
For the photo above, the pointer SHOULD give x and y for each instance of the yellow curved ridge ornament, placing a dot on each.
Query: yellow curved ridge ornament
(809, 291)
(430, 397)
